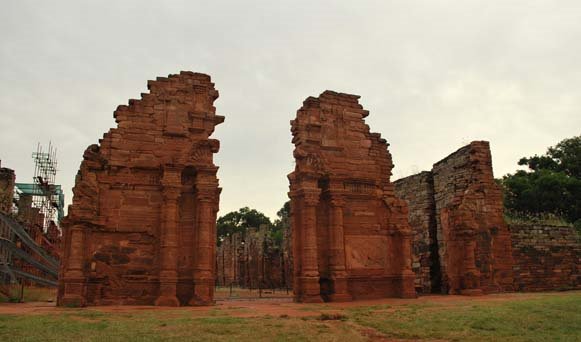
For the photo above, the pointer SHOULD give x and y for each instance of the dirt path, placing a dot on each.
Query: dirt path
(272, 307)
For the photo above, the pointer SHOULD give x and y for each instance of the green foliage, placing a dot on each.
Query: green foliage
(240, 221)
(565, 157)
(243, 219)
(281, 223)
(552, 184)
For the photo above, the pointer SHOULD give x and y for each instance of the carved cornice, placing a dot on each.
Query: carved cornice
(208, 194)
(309, 161)
(309, 197)
(337, 200)
(171, 193)
(201, 151)
(171, 176)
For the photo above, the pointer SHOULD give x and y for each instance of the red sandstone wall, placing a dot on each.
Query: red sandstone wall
(474, 241)
(546, 257)
(141, 229)
(457, 210)
(351, 238)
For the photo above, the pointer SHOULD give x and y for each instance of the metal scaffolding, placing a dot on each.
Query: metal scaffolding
(46, 196)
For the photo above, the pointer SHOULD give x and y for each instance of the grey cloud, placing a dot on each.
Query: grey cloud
(434, 74)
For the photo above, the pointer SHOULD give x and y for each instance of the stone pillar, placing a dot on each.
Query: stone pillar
(407, 274)
(168, 275)
(205, 250)
(309, 276)
(337, 250)
(470, 275)
(74, 278)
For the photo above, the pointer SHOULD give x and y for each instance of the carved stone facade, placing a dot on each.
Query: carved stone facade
(351, 237)
(141, 229)
(472, 241)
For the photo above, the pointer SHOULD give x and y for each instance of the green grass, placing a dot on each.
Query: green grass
(527, 317)
(545, 318)
(549, 219)
(163, 326)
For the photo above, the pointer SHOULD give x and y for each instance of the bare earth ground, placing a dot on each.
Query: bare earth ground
(256, 307)
(506, 317)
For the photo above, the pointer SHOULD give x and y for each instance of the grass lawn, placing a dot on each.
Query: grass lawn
(513, 317)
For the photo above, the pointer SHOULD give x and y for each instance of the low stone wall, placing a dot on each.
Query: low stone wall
(546, 257)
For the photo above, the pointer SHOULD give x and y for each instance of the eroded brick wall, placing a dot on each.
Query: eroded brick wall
(473, 241)
(7, 179)
(546, 257)
(418, 191)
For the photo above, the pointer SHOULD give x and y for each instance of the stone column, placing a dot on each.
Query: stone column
(470, 275)
(74, 278)
(168, 275)
(309, 276)
(205, 250)
(407, 274)
(337, 250)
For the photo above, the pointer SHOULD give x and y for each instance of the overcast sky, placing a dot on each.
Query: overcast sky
(435, 75)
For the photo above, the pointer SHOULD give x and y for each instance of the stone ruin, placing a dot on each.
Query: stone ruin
(547, 256)
(32, 220)
(141, 228)
(351, 237)
(7, 181)
(462, 244)
(253, 261)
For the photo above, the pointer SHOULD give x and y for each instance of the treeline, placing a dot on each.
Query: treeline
(550, 187)
(245, 218)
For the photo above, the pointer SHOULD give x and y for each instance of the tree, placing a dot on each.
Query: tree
(240, 221)
(281, 223)
(552, 184)
(565, 157)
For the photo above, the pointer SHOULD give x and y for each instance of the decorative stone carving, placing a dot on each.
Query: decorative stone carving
(351, 238)
(141, 229)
